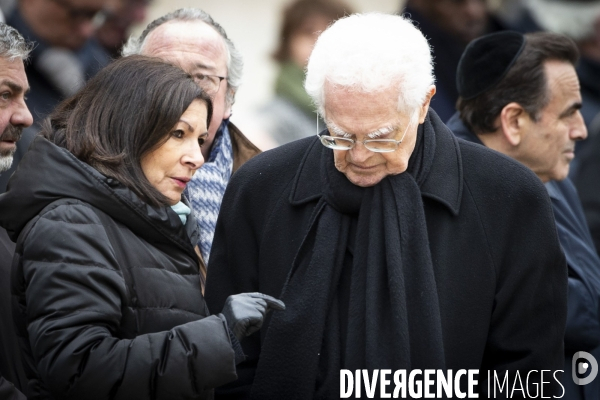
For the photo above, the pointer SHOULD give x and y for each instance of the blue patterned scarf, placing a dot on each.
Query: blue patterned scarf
(205, 190)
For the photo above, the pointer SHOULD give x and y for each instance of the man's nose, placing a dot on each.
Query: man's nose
(578, 130)
(22, 116)
(359, 152)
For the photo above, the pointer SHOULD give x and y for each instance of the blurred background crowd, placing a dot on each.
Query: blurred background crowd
(276, 36)
(76, 38)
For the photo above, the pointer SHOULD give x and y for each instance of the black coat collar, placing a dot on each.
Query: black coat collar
(48, 173)
(444, 183)
(461, 131)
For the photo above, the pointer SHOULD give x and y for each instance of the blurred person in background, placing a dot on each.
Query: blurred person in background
(116, 29)
(14, 116)
(64, 57)
(449, 25)
(112, 306)
(6, 7)
(192, 40)
(519, 95)
(66, 53)
(291, 114)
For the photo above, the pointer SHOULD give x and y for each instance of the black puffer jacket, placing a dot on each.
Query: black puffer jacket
(106, 289)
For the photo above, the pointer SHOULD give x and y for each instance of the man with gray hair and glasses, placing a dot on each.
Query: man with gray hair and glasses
(14, 116)
(192, 40)
(395, 246)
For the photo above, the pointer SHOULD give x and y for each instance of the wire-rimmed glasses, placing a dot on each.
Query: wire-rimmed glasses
(375, 145)
(209, 83)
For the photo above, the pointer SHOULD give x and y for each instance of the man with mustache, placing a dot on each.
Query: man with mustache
(520, 95)
(14, 116)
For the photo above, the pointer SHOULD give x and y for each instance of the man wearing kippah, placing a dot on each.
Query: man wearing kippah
(396, 247)
(520, 95)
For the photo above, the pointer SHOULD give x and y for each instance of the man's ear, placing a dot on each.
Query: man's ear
(513, 122)
(227, 111)
(425, 106)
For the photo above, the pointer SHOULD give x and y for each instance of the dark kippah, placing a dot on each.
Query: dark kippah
(486, 61)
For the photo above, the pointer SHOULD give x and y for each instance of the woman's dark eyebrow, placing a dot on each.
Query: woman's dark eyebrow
(188, 124)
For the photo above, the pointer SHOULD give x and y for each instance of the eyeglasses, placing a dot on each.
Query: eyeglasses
(80, 15)
(375, 145)
(209, 83)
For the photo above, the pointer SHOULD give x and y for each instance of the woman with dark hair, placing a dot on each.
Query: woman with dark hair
(291, 115)
(106, 284)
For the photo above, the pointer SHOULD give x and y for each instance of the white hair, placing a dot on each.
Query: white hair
(571, 18)
(235, 63)
(369, 53)
(12, 44)
(5, 162)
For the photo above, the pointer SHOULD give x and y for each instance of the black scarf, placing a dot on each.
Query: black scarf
(393, 312)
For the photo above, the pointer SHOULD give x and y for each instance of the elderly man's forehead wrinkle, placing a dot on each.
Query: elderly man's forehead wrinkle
(193, 37)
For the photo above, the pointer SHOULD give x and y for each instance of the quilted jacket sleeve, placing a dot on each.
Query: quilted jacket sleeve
(74, 293)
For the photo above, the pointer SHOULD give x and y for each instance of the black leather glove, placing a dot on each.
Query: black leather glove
(245, 312)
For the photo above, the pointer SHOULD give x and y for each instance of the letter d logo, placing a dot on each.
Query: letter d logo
(583, 367)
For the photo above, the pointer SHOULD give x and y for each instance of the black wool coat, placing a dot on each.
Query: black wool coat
(106, 289)
(500, 273)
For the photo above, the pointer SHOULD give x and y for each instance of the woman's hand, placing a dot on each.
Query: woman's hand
(245, 312)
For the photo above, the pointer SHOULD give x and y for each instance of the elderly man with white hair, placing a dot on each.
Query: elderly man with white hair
(396, 247)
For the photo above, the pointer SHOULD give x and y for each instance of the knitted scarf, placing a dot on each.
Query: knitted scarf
(205, 190)
(390, 317)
